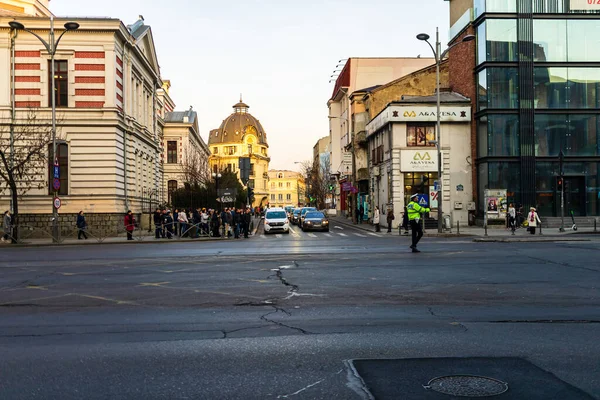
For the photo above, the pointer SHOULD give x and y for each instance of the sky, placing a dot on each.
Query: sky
(279, 54)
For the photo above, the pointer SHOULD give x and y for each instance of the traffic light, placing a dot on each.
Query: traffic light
(251, 195)
(330, 187)
(424, 180)
(559, 183)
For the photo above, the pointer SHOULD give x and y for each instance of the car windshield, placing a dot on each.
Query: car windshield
(305, 210)
(297, 211)
(314, 215)
(276, 215)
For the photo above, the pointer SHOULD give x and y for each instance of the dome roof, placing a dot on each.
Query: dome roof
(234, 128)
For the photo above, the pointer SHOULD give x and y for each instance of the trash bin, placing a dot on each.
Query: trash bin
(447, 224)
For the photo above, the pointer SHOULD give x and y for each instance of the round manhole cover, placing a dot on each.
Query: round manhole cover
(467, 386)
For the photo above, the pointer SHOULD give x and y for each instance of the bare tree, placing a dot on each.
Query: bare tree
(316, 176)
(195, 169)
(24, 158)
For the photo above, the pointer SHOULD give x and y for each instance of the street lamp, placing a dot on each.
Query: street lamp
(50, 46)
(437, 53)
(216, 177)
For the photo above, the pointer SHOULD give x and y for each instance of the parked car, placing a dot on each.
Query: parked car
(315, 220)
(296, 216)
(276, 220)
(303, 213)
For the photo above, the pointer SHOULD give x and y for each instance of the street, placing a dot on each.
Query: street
(292, 316)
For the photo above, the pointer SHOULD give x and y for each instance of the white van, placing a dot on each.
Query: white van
(276, 220)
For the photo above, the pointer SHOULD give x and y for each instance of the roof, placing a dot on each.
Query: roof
(367, 90)
(8, 13)
(237, 125)
(445, 97)
(178, 116)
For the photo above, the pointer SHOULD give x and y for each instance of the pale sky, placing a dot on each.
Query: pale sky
(278, 53)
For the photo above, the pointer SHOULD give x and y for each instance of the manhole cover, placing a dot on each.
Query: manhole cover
(467, 386)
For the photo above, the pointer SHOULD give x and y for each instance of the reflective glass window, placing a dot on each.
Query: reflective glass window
(503, 135)
(501, 40)
(498, 88)
(550, 134)
(550, 87)
(583, 40)
(583, 86)
(549, 40)
(482, 136)
(482, 90)
(501, 6)
(481, 43)
(583, 136)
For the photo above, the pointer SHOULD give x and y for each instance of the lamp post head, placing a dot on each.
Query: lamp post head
(16, 25)
(468, 38)
(71, 26)
(423, 36)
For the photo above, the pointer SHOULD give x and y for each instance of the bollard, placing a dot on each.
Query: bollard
(485, 228)
(595, 225)
(458, 227)
(541, 229)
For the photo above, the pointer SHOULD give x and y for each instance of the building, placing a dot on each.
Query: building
(534, 80)
(286, 188)
(185, 153)
(321, 151)
(109, 119)
(404, 161)
(356, 74)
(242, 135)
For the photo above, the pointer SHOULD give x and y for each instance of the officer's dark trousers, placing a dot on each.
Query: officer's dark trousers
(417, 232)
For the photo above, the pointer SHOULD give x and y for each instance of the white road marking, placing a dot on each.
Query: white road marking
(278, 236)
(312, 235)
(327, 234)
(338, 227)
(342, 234)
(360, 235)
(374, 234)
(263, 236)
(293, 232)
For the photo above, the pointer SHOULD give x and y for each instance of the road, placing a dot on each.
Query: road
(292, 316)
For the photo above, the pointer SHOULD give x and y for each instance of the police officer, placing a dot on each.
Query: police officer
(414, 215)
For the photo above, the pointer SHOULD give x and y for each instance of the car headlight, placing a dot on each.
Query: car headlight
(308, 223)
(325, 222)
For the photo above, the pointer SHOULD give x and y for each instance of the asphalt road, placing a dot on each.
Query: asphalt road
(283, 316)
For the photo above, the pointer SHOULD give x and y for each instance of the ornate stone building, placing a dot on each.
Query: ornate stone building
(286, 188)
(242, 135)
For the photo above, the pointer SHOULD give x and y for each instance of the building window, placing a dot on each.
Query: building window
(172, 152)
(62, 151)
(497, 40)
(249, 149)
(251, 169)
(280, 197)
(288, 185)
(272, 197)
(230, 150)
(498, 88)
(251, 183)
(280, 184)
(171, 187)
(498, 135)
(272, 185)
(420, 135)
(288, 197)
(61, 79)
(215, 150)
(550, 40)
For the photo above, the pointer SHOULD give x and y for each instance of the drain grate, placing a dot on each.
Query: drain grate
(467, 385)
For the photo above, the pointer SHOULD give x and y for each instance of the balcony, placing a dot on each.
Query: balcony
(361, 139)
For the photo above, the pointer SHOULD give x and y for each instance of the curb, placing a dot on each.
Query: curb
(427, 235)
(530, 240)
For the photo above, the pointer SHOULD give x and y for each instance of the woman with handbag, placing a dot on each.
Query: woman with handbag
(533, 219)
(390, 217)
(81, 225)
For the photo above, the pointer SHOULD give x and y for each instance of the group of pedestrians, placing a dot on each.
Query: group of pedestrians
(193, 223)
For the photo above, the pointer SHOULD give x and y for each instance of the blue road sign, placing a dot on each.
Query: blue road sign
(56, 172)
(423, 200)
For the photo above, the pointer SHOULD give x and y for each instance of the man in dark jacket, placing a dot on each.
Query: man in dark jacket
(246, 218)
(237, 220)
(168, 223)
(157, 223)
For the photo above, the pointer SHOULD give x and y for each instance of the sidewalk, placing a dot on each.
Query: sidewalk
(495, 234)
(138, 237)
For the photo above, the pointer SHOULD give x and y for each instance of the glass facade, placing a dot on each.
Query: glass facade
(534, 101)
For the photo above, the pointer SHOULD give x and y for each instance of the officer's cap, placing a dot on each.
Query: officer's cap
(413, 196)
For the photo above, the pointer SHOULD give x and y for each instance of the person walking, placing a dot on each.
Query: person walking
(512, 218)
(405, 221)
(229, 223)
(176, 225)
(533, 219)
(129, 224)
(6, 226)
(414, 218)
(246, 218)
(376, 219)
(183, 223)
(390, 217)
(81, 225)
(215, 224)
(157, 218)
(237, 220)
(168, 223)
(361, 213)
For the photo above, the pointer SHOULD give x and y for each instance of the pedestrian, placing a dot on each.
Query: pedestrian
(129, 224)
(168, 223)
(157, 218)
(229, 222)
(246, 219)
(163, 214)
(390, 217)
(533, 219)
(376, 219)
(6, 226)
(81, 225)
(183, 223)
(512, 216)
(237, 220)
(361, 213)
(405, 221)
(176, 224)
(215, 224)
(358, 216)
(414, 217)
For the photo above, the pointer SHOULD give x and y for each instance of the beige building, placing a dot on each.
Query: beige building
(242, 135)
(286, 188)
(110, 117)
(357, 74)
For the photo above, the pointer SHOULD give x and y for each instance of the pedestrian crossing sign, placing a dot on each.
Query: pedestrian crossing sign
(423, 200)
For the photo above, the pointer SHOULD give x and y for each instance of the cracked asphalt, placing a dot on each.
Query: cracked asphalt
(284, 316)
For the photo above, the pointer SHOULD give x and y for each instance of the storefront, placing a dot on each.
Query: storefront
(404, 156)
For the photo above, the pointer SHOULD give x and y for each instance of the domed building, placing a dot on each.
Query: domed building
(242, 135)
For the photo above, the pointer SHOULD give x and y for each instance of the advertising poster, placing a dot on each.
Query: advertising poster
(496, 205)
(420, 135)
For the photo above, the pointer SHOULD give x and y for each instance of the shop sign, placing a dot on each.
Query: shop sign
(418, 161)
(419, 114)
(433, 196)
(584, 5)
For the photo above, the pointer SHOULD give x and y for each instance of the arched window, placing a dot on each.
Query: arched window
(171, 187)
(62, 156)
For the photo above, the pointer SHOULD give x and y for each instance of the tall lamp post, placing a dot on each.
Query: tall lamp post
(51, 46)
(437, 53)
(217, 176)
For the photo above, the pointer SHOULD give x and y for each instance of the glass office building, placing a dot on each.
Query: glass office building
(538, 93)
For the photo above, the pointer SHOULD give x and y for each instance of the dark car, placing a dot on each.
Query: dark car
(315, 221)
(303, 213)
(296, 216)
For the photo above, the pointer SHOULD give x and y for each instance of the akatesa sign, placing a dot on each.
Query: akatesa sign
(418, 161)
(583, 5)
(418, 114)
